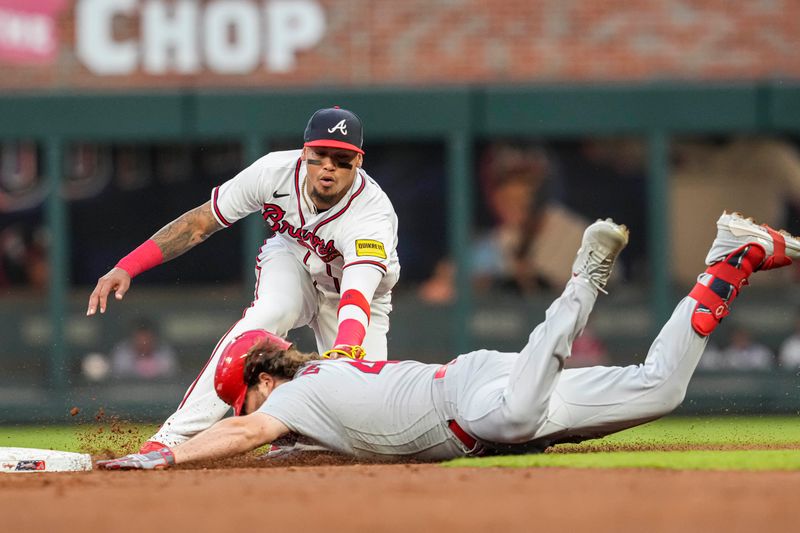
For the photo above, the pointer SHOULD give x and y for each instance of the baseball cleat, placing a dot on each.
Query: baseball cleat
(602, 242)
(740, 248)
(735, 231)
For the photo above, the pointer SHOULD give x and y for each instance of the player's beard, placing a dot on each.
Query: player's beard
(326, 199)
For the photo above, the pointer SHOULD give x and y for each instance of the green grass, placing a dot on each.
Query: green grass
(665, 443)
(705, 431)
(744, 443)
(56, 438)
(686, 460)
(94, 438)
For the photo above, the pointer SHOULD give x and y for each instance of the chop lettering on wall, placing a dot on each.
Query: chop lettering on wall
(226, 37)
(102, 44)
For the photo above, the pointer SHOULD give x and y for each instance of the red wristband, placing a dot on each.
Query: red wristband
(351, 332)
(354, 297)
(142, 258)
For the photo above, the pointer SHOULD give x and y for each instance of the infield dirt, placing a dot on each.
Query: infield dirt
(403, 498)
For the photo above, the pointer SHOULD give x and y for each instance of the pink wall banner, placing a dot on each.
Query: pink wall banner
(28, 31)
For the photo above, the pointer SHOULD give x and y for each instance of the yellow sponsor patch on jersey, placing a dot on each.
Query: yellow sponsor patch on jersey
(370, 248)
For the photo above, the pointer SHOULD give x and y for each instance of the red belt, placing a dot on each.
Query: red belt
(465, 438)
(473, 446)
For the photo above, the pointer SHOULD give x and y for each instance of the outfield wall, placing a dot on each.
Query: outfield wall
(125, 44)
(457, 118)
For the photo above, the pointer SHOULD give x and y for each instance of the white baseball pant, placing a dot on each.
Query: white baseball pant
(538, 401)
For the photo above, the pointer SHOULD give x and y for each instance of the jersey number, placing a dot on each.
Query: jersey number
(367, 367)
(370, 367)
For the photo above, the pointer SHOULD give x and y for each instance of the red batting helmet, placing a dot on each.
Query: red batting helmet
(229, 377)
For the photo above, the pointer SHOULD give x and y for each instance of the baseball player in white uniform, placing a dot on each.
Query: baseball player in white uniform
(483, 401)
(331, 264)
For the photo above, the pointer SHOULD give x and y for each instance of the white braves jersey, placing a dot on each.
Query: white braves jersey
(369, 409)
(359, 230)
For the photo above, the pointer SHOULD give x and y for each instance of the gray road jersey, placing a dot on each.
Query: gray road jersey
(375, 410)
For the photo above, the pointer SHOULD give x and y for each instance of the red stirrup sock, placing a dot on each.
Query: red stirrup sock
(727, 278)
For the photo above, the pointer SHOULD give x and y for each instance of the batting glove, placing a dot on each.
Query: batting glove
(158, 460)
(345, 350)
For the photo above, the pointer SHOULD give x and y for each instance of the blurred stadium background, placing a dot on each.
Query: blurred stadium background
(498, 129)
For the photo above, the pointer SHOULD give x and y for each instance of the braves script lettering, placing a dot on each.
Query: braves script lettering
(274, 217)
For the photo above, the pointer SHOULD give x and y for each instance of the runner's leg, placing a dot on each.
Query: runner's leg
(514, 413)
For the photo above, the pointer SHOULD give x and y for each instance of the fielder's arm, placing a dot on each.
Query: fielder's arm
(174, 239)
(359, 283)
(186, 231)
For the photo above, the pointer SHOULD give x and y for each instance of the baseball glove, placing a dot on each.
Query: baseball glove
(345, 350)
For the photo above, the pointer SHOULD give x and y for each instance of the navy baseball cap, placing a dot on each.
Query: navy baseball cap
(335, 127)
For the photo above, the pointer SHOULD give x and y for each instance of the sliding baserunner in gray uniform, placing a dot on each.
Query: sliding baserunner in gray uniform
(484, 400)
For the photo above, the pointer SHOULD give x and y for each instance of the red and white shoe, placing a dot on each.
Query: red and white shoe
(740, 248)
(735, 231)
